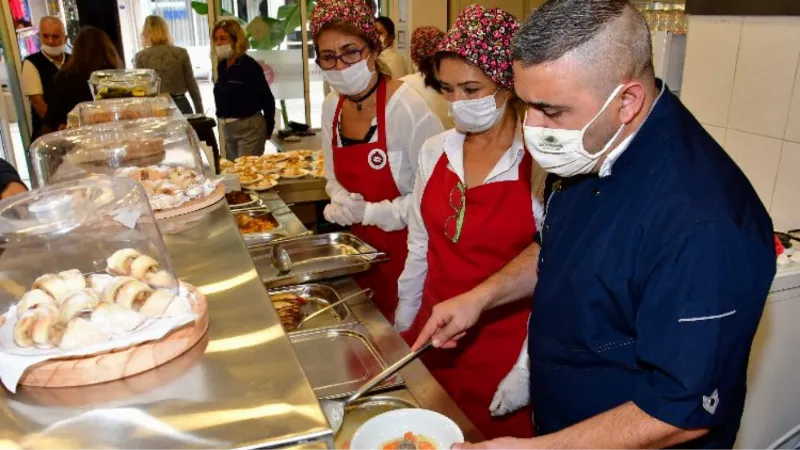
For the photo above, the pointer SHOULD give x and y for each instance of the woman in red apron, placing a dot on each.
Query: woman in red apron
(472, 214)
(372, 130)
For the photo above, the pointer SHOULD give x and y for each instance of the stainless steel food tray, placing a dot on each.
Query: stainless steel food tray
(317, 297)
(364, 409)
(318, 257)
(337, 361)
(255, 201)
(269, 236)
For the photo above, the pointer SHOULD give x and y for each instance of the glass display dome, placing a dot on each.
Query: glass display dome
(123, 83)
(114, 110)
(98, 225)
(163, 154)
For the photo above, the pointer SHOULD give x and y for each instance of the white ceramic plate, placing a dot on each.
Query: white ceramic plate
(263, 185)
(380, 430)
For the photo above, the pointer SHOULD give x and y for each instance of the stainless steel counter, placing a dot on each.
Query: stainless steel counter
(240, 387)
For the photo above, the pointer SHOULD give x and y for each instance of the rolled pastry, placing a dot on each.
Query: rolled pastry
(163, 303)
(143, 265)
(114, 319)
(99, 281)
(22, 329)
(133, 294)
(41, 328)
(77, 303)
(33, 298)
(80, 332)
(110, 292)
(160, 279)
(54, 285)
(74, 279)
(120, 262)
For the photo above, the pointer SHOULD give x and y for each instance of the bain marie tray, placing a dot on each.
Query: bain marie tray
(360, 411)
(317, 296)
(318, 257)
(337, 361)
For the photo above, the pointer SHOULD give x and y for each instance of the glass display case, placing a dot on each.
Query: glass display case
(124, 83)
(53, 239)
(114, 110)
(162, 154)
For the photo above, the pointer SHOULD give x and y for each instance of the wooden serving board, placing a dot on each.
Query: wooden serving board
(193, 205)
(121, 363)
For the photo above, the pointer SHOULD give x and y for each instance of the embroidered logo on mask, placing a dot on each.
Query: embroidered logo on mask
(377, 159)
(550, 142)
(710, 403)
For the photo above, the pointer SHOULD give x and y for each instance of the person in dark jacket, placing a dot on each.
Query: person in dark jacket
(39, 69)
(245, 104)
(10, 182)
(93, 51)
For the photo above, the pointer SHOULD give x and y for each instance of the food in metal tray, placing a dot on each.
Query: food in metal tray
(237, 198)
(289, 308)
(69, 310)
(253, 225)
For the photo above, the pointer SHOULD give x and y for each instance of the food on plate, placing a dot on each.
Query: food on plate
(318, 173)
(289, 308)
(69, 310)
(252, 225)
(225, 163)
(237, 198)
(293, 173)
(250, 179)
(410, 440)
(169, 187)
(263, 185)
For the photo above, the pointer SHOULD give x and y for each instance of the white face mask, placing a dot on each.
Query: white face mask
(350, 81)
(224, 51)
(54, 51)
(477, 115)
(561, 151)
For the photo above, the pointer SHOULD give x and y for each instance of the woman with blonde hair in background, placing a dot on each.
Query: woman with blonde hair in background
(424, 42)
(171, 63)
(372, 131)
(245, 104)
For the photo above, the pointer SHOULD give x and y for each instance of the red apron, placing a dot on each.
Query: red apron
(365, 169)
(498, 225)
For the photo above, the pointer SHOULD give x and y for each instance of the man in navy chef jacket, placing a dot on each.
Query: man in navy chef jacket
(656, 254)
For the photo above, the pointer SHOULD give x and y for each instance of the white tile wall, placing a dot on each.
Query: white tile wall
(742, 81)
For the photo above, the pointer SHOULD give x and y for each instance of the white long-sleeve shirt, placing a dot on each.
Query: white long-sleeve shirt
(451, 143)
(409, 123)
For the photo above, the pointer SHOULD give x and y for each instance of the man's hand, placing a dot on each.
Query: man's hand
(450, 321)
(13, 188)
(501, 444)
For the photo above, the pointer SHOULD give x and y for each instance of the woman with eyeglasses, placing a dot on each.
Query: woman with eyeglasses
(472, 212)
(372, 131)
(244, 101)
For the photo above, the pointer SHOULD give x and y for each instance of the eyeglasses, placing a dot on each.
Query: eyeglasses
(349, 57)
(454, 223)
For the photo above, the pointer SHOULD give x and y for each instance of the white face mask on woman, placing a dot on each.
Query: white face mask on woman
(561, 152)
(477, 115)
(352, 80)
(224, 51)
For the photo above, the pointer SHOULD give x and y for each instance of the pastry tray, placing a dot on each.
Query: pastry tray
(337, 361)
(318, 257)
(362, 410)
(317, 297)
(267, 236)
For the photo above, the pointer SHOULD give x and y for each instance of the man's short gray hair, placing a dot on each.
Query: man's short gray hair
(608, 37)
(53, 20)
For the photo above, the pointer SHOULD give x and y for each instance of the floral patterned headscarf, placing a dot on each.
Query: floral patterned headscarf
(353, 12)
(424, 42)
(483, 37)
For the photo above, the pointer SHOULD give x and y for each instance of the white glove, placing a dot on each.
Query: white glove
(353, 203)
(513, 392)
(334, 213)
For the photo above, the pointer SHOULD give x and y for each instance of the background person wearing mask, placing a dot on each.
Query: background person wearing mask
(656, 253)
(424, 42)
(92, 51)
(472, 212)
(171, 63)
(371, 136)
(245, 104)
(39, 69)
(394, 62)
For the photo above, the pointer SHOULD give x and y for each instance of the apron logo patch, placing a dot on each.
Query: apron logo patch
(710, 403)
(377, 159)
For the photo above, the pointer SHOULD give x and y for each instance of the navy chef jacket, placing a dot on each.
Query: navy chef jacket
(652, 282)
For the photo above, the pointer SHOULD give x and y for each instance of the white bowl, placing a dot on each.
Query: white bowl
(394, 424)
